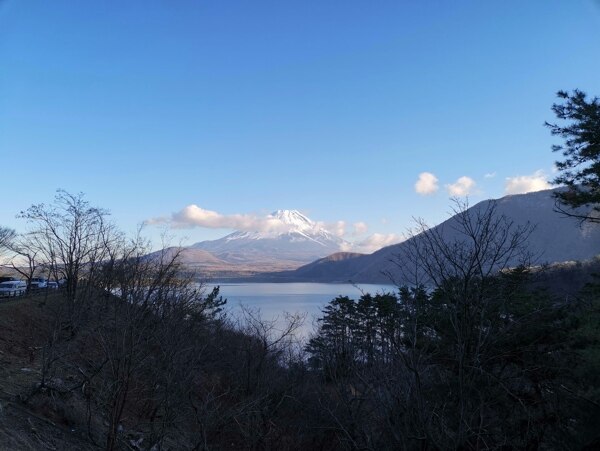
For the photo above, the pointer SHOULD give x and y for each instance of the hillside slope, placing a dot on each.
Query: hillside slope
(555, 239)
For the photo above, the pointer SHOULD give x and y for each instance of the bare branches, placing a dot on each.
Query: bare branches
(475, 243)
(70, 236)
(25, 258)
(6, 237)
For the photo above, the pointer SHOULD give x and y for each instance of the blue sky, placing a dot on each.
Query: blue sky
(333, 108)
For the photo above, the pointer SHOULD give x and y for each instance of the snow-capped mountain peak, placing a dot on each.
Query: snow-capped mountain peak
(284, 235)
(293, 218)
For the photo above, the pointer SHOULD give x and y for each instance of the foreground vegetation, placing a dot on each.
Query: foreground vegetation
(506, 366)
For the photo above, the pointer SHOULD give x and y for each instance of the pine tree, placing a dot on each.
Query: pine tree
(580, 170)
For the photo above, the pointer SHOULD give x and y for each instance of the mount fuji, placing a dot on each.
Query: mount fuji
(289, 238)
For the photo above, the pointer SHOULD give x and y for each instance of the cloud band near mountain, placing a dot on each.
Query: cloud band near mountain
(193, 216)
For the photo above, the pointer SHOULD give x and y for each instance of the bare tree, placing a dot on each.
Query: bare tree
(69, 233)
(475, 267)
(475, 243)
(149, 344)
(6, 236)
(72, 238)
(25, 258)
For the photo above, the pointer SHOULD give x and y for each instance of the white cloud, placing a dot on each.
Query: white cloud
(489, 175)
(157, 221)
(522, 184)
(376, 241)
(462, 187)
(195, 216)
(337, 228)
(426, 184)
(360, 228)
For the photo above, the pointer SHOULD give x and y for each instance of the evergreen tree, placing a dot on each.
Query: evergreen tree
(580, 169)
(332, 348)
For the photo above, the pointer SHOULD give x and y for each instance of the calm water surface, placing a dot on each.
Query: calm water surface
(273, 299)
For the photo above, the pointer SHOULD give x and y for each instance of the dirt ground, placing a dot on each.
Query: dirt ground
(45, 423)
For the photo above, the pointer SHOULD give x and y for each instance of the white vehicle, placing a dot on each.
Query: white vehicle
(13, 288)
(38, 282)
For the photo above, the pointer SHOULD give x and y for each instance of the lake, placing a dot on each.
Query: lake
(272, 300)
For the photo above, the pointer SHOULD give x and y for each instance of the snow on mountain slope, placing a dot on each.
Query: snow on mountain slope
(291, 236)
